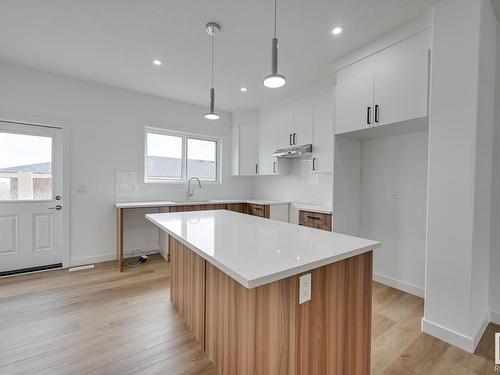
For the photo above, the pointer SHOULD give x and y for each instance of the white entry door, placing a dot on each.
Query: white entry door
(31, 201)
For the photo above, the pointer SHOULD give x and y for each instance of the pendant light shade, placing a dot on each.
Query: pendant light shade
(274, 80)
(212, 28)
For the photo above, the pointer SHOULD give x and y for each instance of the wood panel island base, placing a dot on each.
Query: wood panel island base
(261, 328)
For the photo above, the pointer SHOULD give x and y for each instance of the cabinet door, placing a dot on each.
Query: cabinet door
(284, 130)
(248, 149)
(401, 89)
(323, 131)
(259, 210)
(315, 220)
(302, 133)
(354, 98)
(267, 144)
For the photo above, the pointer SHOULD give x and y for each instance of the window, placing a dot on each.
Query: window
(25, 167)
(176, 157)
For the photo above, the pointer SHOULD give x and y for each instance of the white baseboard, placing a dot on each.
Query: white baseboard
(398, 284)
(75, 262)
(495, 317)
(452, 337)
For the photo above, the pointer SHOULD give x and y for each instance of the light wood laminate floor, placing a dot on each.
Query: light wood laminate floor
(104, 322)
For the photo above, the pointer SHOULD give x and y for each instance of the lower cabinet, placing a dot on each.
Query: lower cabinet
(198, 207)
(259, 210)
(315, 220)
(242, 208)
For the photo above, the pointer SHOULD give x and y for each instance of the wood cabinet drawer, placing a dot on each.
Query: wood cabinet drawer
(238, 207)
(259, 210)
(198, 207)
(315, 220)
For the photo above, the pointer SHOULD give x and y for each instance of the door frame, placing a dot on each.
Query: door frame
(57, 124)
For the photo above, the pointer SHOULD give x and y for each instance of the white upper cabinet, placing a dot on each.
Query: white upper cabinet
(295, 123)
(322, 161)
(245, 143)
(303, 117)
(268, 164)
(245, 150)
(401, 89)
(385, 88)
(284, 129)
(354, 98)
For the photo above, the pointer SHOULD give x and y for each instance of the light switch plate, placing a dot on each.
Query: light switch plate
(304, 288)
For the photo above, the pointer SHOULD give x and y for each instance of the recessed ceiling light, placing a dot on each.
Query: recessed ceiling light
(243, 89)
(336, 30)
(157, 62)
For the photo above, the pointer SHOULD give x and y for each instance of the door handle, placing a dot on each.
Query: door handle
(57, 208)
(377, 111)
(314, 164)
(294, 138)
(369, 115)
(290, 139)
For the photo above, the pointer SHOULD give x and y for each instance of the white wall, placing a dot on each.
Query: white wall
(390, 164)
(347, 185)
(456, 273)
(495, 204)
(301, 185)
(106, 135)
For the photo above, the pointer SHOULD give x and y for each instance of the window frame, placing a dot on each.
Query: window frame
(184, 159)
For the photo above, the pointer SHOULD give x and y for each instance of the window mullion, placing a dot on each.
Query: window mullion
(184, 158)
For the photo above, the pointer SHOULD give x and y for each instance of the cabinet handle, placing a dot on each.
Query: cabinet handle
(369, 115)
(377, 110)
(313, 217)
(294, 138)
(256, 168)
(290, 139)
(314, 164)
(274, 167)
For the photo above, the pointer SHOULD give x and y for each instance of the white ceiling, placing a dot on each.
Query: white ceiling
(115, 41)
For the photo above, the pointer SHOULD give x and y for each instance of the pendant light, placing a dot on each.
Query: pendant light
(212, 29)
(274, 80)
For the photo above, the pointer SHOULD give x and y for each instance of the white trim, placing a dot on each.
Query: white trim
(76, 262)
(495, 317)
(399, 284)
(450, 336)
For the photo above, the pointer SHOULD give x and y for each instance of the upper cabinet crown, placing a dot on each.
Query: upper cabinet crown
(382, 90)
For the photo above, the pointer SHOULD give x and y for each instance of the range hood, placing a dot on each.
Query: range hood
(293, 151)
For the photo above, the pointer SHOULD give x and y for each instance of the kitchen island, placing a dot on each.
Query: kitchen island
(235, 281)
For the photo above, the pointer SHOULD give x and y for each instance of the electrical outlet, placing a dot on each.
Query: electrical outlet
(304, 288)
(397, 194)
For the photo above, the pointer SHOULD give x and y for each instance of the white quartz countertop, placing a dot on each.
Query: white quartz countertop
(147, 204)
(256, 251)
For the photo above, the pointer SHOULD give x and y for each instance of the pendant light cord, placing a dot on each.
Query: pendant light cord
(275, 18)
(213, 60)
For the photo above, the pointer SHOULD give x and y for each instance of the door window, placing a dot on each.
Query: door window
(25, 167)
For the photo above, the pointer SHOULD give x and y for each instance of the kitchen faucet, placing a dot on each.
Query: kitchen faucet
(189, 191)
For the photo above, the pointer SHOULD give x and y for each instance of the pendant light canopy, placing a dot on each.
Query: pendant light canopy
(274, 80)
(212, 29)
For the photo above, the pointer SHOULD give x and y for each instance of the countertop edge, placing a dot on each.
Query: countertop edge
(254, 283)
(152, 204)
